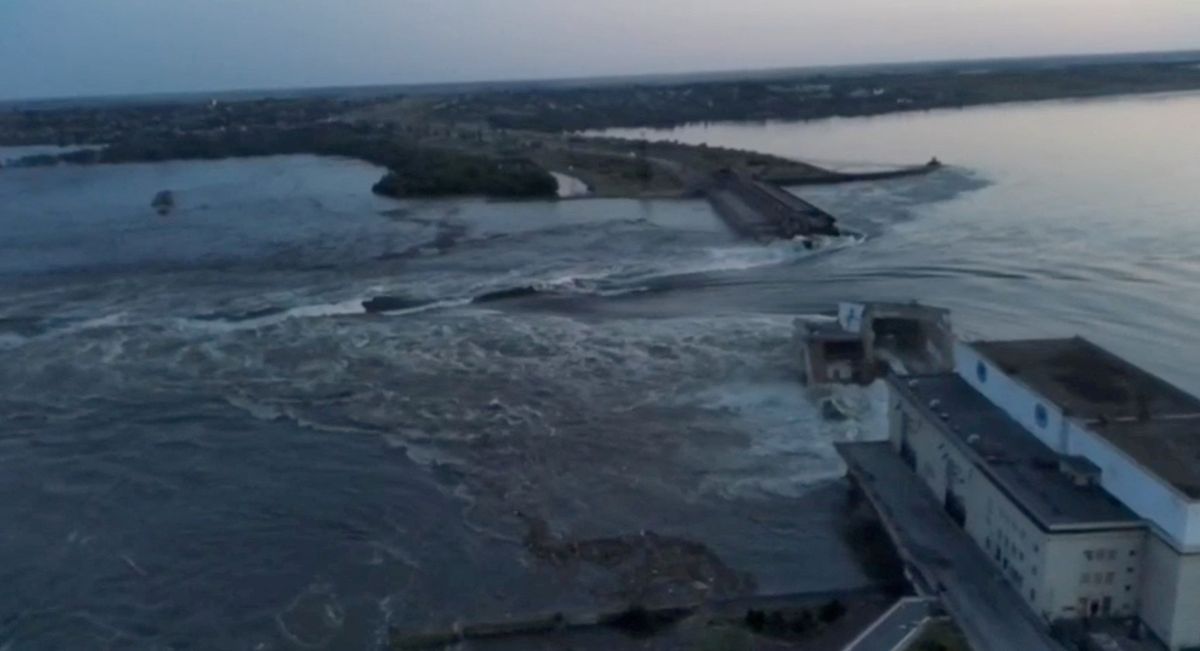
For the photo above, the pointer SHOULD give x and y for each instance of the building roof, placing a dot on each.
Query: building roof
(1146, 417)
(1022, 467)
(1088, 382)
(1169, 448)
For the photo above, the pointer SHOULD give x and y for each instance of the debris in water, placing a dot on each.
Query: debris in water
(164, 202)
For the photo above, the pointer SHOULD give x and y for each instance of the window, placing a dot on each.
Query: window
(1087, 578)
(981, 371)
(1128, 588)
(1098, 578)
(1108, 578)
(1087, 553)
(1133, 552)
(1041, 416)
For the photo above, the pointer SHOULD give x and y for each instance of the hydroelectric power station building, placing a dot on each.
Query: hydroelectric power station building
(1076, 472)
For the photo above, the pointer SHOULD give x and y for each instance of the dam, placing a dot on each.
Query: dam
(763, 211)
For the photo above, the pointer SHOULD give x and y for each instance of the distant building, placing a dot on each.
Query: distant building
(1076, 471)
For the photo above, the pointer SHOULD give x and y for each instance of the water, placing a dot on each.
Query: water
(208, 442)
(1056, 218)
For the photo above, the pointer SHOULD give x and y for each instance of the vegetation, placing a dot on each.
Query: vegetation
(941, 636)
(414, 170)
(791, 624)
(637, 621)
(807, 96)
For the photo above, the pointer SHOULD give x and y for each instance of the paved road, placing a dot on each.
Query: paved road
(894, 626)
(990, 612)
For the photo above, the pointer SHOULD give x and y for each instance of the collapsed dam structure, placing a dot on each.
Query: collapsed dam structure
(764, 211)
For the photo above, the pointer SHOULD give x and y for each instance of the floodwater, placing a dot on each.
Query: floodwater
(1055, 218)
(208, 442)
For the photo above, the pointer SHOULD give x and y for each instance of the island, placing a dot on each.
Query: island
(507, 140)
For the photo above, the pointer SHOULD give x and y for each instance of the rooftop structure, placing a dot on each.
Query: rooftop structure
(1052, 489)
(1075, 470)
(1151, 421)
(1086, 381)
(1170, 448)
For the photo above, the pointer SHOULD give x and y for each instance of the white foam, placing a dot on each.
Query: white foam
(436, 305)
(318, 310)
(790, 443)
(9, 341)
(569, 186)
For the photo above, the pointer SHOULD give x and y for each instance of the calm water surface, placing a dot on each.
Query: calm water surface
(208, 443)
(1084, 217)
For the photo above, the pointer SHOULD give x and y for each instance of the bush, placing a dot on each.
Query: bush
(756, 620)
(832, 611)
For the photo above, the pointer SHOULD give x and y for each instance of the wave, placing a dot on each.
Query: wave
(612, 281)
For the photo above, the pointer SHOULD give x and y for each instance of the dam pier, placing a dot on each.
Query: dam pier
(764, 211)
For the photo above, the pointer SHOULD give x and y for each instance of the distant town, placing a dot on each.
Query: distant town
(503, 141)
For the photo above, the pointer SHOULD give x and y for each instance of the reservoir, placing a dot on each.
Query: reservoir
(208, 438)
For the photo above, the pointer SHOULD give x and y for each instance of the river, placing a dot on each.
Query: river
(209, 444)
(1055, 218)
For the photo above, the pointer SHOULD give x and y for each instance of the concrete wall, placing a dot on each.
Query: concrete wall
(1084, 570)
(1136, 487)
(939, 463)
(1010, 539)
(1046, 569)
(1171, 594)
(1139, 489)
(1019, 402)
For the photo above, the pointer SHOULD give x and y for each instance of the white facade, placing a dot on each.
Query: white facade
(1155, 575)
(1171, 594)
(1170, 511)
(1015, 399)
(1059, 575)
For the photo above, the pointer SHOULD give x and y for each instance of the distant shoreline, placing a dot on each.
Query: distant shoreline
(377, 90)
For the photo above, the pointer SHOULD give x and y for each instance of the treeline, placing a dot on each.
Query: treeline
(413, 170)
(806, 97)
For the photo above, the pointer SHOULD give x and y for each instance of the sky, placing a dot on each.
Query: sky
(61, 48)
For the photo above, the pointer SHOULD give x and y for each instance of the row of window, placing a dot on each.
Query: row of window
(1104, 554)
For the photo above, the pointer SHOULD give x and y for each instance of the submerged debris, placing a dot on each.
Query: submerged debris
(164, 202)
(649, 569)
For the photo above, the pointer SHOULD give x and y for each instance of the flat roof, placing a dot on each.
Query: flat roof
(1023, 467)
(1169, 448)
(1152, 421)
(1087, 381)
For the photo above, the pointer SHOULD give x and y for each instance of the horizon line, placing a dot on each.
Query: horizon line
(607, 79)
